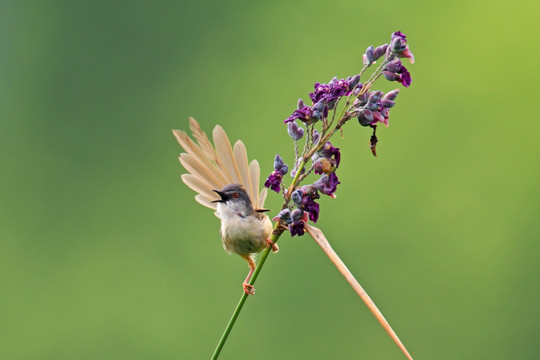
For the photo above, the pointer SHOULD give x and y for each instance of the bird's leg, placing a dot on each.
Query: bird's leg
(249, 289)
(272, 245)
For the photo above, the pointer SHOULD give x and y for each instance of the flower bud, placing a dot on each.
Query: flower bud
(300, 104)
(374, 97)
(391, 95)
(399, 42)
(297, 214)
(399, 46)
(316, 136)
(295, 132)
(353, 81)
(380, 51)
(394, 66)
(369, 56)
(285, 215)
(390, 76)
(296, 196)
(365, 117)
(387, 103)
(319, 106)
(279, 165)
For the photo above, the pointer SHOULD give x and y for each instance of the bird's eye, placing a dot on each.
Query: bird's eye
(235, 195)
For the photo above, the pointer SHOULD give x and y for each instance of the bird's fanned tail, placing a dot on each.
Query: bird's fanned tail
(212, 167)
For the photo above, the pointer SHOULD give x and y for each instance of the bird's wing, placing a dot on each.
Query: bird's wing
(211, 167)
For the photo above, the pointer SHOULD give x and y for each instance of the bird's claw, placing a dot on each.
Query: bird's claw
(272, 245)
(248, 289)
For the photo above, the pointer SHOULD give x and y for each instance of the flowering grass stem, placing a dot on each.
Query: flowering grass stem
(299, 202)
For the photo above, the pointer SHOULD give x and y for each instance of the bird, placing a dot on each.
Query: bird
(227, 183)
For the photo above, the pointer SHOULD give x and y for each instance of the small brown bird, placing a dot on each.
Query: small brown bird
(223, 169)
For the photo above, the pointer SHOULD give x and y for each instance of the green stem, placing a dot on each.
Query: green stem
(274, 238)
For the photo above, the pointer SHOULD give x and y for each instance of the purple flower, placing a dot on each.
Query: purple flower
(324, 166)
(297, 228)
(331, 92)
(328, 151)
(313, 209)
(338, 89)
(274, 181)
(309, 194)
(395, 71)
(327, 184)
(304, 199)
(321, 90)
(399, 46)
(276, 177)
(303, 114)
(405, 77)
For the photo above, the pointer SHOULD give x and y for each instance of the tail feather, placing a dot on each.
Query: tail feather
(202, 139)
(225, 154)
(193, 149)
(205, 202)
(211, 167)
(255, 173)
(200, 186)
(195, 167)
(240, 154)
(262, 197)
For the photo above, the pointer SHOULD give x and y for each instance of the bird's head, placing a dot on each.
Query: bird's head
(235, 197)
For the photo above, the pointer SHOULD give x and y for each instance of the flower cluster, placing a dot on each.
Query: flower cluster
(294, 219)
(373, 107)
(354, 99)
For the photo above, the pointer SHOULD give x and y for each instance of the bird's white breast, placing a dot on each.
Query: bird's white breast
(242, 235)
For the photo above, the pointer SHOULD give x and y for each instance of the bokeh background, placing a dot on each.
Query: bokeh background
(104, 254)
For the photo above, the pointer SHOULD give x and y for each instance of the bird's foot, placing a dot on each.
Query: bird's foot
(272, 245)
(248, 289)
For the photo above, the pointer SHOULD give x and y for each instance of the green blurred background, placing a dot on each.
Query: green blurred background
(104, 254)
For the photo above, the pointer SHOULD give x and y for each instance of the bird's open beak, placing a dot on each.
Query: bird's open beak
(221, 195)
